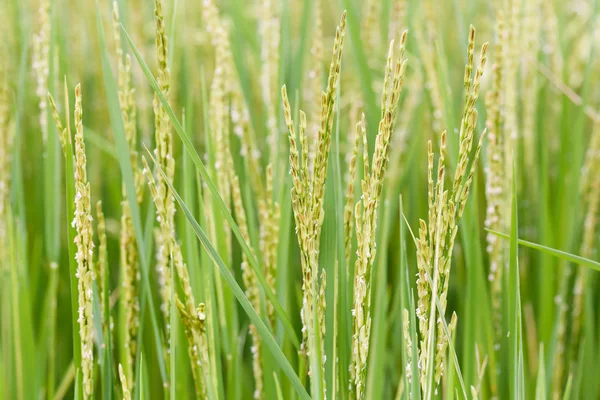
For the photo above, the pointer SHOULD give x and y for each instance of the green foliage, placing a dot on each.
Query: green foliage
(359, 243)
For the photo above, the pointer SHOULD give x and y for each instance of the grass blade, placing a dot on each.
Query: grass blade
(516, 335)
(563, 255)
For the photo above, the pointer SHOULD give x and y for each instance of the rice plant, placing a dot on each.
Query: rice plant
(226, 199)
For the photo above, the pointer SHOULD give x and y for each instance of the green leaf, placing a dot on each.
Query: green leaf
(563, 255)
(567, 393)
(278, 387)
(516, 334)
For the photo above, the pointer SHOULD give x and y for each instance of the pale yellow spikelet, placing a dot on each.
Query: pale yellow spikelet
(497, 194)
(314, 80)
(219, 125)
(560, 346)
(219, 37)
(591, 188)
(556, 64)
(423, 289)
(194, 328)
(225, 86)
(84, 255)
(269, 28)
(62, 132)
(324, 136)
(469, 121)
(41, 62)
(187, 309)
(124, 384)
(164, 156)
(510, 88)
(469, 65)
(431, 81)
(200, 325)
(6, 146)
(351, 177)
(532, 27)
(249, 149)
(307, 202)
(398, 19)
(117, 38)
(130, 284)
(474, 394)
(407, 343)
(366, 216)
(300, 204)
(452, 324)
(127, 102)
(166, 232)
(437, 236)
(100, 269)
(129, 257)
(269, 237)
(370, 27)
(298, 177)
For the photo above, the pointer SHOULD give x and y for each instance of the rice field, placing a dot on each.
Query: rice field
(227, 199)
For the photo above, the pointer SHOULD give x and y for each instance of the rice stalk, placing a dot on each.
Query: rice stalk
(512, 38)
(164, 156)
(432, 83)
(370, 28)
(193, 317)
(532, 26)
(350, 180)
(408, 344)
(129, 262)
(269, 28)
(226, 84)
(366, 216)
(497, 192)
(397, 19)
(124, 384)
(313, 85)
(269, 237)
(100, 266)
(41, 62)
(436, 238)
(308, 194)
(85, 245)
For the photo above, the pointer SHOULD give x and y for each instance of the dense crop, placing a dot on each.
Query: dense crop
(299, 199)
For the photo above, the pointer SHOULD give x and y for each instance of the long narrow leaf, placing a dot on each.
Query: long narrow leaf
(563, 255)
